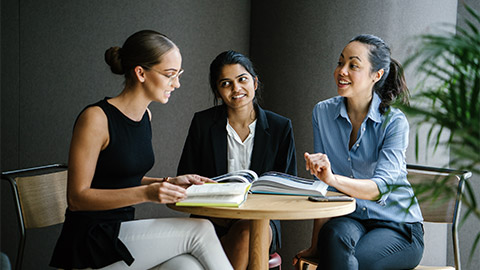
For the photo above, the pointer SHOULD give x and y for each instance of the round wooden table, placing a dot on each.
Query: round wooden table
(261, 208)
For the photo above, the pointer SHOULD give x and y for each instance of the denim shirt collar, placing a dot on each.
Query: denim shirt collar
(373, 112)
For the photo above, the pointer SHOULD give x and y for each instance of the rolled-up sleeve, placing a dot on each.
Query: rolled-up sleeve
(391, 164)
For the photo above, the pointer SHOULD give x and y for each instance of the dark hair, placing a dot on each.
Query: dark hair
(230, 58)
(392, 84)
(144, 48)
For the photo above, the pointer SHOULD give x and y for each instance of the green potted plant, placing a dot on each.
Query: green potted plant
(449, 101)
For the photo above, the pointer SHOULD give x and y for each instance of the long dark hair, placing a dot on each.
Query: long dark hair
(144, 48)
(392, 85)
(230, 58)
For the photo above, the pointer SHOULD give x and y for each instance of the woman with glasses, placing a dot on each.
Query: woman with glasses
(110, 153)
(236, 135)
(360, 143)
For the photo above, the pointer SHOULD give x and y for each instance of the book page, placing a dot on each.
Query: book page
(216, 194)
(211, 189)
(217, 200)
(281, 183)
(242, 176)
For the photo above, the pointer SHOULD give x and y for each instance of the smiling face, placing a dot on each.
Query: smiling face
(162, 79)
(353, 74)
(236, 86)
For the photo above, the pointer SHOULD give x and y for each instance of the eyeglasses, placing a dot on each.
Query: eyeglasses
(170, 77)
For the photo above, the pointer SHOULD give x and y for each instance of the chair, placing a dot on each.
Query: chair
(444, 209)
(275, 261)
(39, 195)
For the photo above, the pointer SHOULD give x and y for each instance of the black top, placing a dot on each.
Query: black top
(90, 238)
(205, 150)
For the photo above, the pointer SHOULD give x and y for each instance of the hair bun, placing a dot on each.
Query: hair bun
(113, 59)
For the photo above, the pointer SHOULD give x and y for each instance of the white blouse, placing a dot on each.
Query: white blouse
(239, 153)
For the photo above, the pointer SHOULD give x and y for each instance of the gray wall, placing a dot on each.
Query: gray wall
(52, 66)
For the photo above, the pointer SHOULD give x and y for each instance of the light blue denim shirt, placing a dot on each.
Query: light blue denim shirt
(378, 154)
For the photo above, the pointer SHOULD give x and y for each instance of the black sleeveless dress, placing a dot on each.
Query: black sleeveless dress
(90, 238)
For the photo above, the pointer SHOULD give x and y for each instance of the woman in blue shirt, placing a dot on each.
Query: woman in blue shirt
(360, 151)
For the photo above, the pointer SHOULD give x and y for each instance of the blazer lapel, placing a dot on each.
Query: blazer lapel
(219, 142)
(262, 136)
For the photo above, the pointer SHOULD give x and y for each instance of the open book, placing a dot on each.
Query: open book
(216, 194)
(232, 188)
(276, 183)
(285, 184)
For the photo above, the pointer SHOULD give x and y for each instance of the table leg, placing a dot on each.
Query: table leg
(259, 238)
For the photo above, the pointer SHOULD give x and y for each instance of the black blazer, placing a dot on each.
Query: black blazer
(205, 150)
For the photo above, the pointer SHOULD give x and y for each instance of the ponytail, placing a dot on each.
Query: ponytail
(393, 87)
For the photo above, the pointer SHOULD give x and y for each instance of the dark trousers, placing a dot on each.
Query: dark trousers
(347, 243)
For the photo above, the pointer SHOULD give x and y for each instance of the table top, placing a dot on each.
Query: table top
(282, 207)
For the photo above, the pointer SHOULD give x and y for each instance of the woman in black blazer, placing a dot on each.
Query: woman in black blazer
(238, 134)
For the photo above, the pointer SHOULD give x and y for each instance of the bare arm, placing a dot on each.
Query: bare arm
(365, 189)
(319, 165)
(182, 180)
(90, 136)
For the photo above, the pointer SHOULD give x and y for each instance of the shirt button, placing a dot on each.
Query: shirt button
(364, 209)
(363, 129)
(358, 144)
(351, 176)
(348, 158)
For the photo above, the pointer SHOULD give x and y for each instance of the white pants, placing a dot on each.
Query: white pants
(171, 243)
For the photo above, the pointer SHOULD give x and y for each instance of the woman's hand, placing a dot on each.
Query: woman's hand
(173, 189)
(165, 192)
(319, 165)
(189, 179)
(309, 252)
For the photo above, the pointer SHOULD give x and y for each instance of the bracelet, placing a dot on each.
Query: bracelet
(165, 179)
